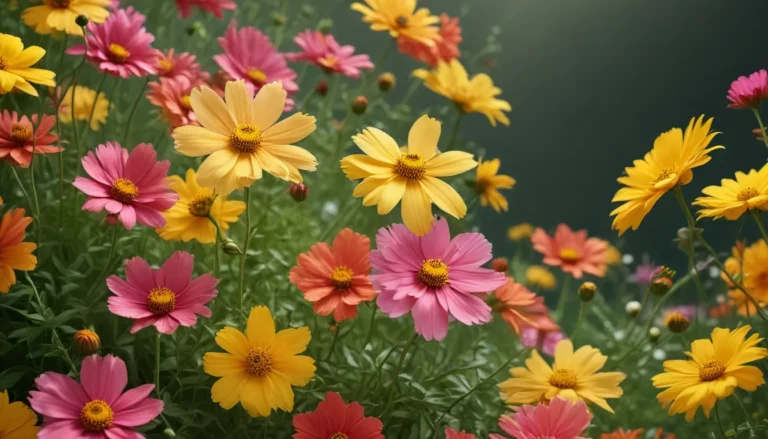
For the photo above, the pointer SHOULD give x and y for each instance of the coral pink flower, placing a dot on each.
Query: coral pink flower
(120, 46)
(749, 92)
(543, 340)
(95, 408)
(334, 419)
(215, 7)
(561, 419)
(644, 274)
(521, 307)
(165, 297)
(572, 251)
(171, 95)
(433, 277)
(445, 49)
(453, 434)
(131, 186)
(170, 65)
(325, 52)
(17, 141)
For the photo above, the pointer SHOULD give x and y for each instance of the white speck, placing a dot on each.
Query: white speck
(714, 272)
(654, 332)
(627, 259)
(633, 308)
(618, 335)
(659, 355)
(330, 209)
(720, 299)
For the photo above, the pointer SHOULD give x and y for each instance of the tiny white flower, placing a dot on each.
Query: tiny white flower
(714, 272)
(627, 259)
(633, 308)
(330, 209)
(659, 355)
(618, 335)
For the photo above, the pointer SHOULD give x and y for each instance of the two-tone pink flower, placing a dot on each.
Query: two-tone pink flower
(323, 51)
(749, 91)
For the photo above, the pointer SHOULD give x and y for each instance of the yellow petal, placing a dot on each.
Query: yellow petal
(298, 369)
(239, 102)
(416, 209)
(194, 141)
(450, 163)
(296, 156)
(215, 169)
(211, 111)
(378, 144)
(423, 137)
(233, 341)
(268, 105)
(361, 166)
(289, 130)
(292, 341)
(226, 391)
(220, 364)
(255, 397)
(272, 165)
(261, 327)
(27, 57)
(392, 193)
(444, 196)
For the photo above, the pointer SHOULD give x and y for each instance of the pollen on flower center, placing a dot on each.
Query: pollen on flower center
(118, 53)
(569, 255)
(401, 21)
(161, 300)
(410, 166)
(96, 416)
(563, 379)
(20, 134)
(257, 76)
(3, 63)
(245, 138)
(186, 102)
(338, 436)
(258, 362)
(342, 277)
(434, 273)
(746, 194)
(164, 66)
(124, 190)
(712, 370)
(201, 205)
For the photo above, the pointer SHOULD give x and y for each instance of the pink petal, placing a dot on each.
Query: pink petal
(125, 308)
(92, 188)
(139, 274)
(434, 245)
(59, 397)
(176, 272)
(394, 308)
(61, 429)
(104, 377)
(136, 409)
(430, 319)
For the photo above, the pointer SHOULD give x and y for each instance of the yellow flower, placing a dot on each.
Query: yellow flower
(749, 264)
(520, 231)
(84, 99)
(612, 255)
(669, 164)
(573, 376)
(539, 276)
(242, 137)
(734, 197)
(715, 370)
(16, 72)
(488, 183)
(476, 95)
(391, 174)
(260, 366)
(17, 421)
(401, 19)
(60, 15)
(188, 218)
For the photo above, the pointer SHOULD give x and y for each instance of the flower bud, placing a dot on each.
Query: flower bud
(677, 322)
(229, 247)
(653, 334)
(386, 81)
(81, 20)
(662, 281)
(322, 88)
(307, 10)
(333, 328)
(168, 432)
(299, 192)
(86, 342)
(325, 25)
(359, 105)
(587, 291)
(500, 264)
(633, 308)
(278, 19)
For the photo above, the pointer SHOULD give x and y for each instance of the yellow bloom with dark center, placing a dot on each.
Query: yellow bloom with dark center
(476, 95)
(669, 164)
(539, 276)
(488, 182)
(260, 366)
(16, 72)
(391, 175)
(734, 197)
(401, 19)
(17, 421)
(188, 218)
(84, 100)
(715, 369)
(750, 264)
(521, 231)
(60, 15)
(573, 376)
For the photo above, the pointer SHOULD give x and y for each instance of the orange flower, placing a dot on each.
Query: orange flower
(520, 307)
(572, 251)
(445, 49)
(14, 254)
(336, 278)
(660, 435)
(621, 434)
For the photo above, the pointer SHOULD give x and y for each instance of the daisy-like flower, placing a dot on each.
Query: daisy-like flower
(16, 72)
(560, 419)
(453, 434)
(96, 407)
(84, 100)
(188, 218)
(120, 46)
(750, 264)
(336, 278)
(573, 376)
(715, 369)
(520, 307)
(172, 96)
(19, 140)
(260, 366)
(172, 65)
(165, 297)
(521, 231)
(433, 276)
(572, 251)
(391, 174)
(15, 254)
(544, 340)
(243, 138)
(401, 19)
(735, 197)
(17, 421)
(445, 49)
(476, 95)
(488, 181)
(335, 419)
(323, 51)
(215, 7)
(623, 434)
(131, 186)
(669, 164)
(539, 276)
(60, 15)
(749, 92)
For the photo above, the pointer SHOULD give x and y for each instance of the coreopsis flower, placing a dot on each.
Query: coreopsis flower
(15, 254)
(520, 231)
(401, 19)
(750, 265)
(333, 418)
(172, 65)
(215, 7)
(335, 278)
(433, 276)
(670, 163)
(188, 218)
(97, 407)
(323, 51)
(444, 49)
(260, 366)
(572, 251)
(544, 340)
(165, 297)
(131, 186)
(520, 307)
(84, 99)
(60, 15)
(453, 434)
(560, 419)
(16, 72)
(488, 181)
(172, 96)
(242, 139)
(623, 434)
(573, 376)
(19, 140)
(539, 276)
(17, 421)
(749, 92)
(735, 197)
(390, 174)
(716, 368)
(475, 95)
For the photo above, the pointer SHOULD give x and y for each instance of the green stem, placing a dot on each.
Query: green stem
(582, 312)
(455, 131)
(93, 108)
(133, 111)
(333, 344)
(391, 391)
(633, 322)
(756, 215)
(566, 291)
(216, 265)
(691, 237)
(241, 288)
(762, 126)
(23, 191)
(719, 424)
(371, 326)
(746, 415)
(157, 364)
(108, 262)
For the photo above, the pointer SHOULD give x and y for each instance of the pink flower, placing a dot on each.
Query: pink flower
(452, 434)
(433, 277)
(644, 274)
(541, 339)
(18, 139)
(572, 251)
(446, 49)
(166, 297)
(171, 95)
(749, 92)
(561, 419)
(132, 186)
(334, 419)
(325, 52)
(170, 65)
(215, 7)
(95, 408)
(120, 46)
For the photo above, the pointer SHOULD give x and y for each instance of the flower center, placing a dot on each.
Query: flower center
(3, 63)
(342, 277)
(338, 436)
(245, 138)
(257, 76)
(63, 4)
(401, 21)
(201, 205)
(712, 370)
(186, 102)
(328, 62)
(563, 379)
(434, 273)
(124, 190)
(569, 255)
(258, 362)
(117, 53)
(20, 134)
(161, 300)
(746, 194)
(96, 416)
(164, 66)
(410, 166)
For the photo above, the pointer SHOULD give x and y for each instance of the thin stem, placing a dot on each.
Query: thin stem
(455, 131)
(157, 364)
(133, 111)
(23, 191)
(371, 326)
(764, 134)
(691, 237)
(108, 262)
(333, 344)
(756, 215)
(564, 293)
(719, 424)
(633, 322)
(582, 312)
(216, 265)
(93, 108)
(391, 391)
(241, 288)
(746, 415)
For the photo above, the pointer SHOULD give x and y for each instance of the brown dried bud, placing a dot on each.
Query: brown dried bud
(359, 105)
(500, 264)
(86, 342)
(322, 88)
(677, 322)
(299, 191)
(386, 81)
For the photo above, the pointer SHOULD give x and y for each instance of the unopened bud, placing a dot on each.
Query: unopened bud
(633, 308)
(500, 265)
(758, 134)
(386, 81)
(299, 191)
(229, 247)
(587, 291)
(333, 328)
(325, 25)
(168, 432)
(662, 281)
(359, 105)
(278, 19)
(307, 10)
(653, 334)
(81, 20)
(322, 88)
(683, 233)
(677, 322)
(86, 342)
(191, 30)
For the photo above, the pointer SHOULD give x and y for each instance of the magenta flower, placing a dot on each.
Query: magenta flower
(166, 297)
(120, 46)
(131, 186)
(561, 419)
(545, 341)
(326, 53)
(644, 274)
(749, 92)
(433, 276)
(172, 65)
(215, 7)
(95, 408)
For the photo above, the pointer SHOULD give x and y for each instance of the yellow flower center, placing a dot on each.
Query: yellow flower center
(434, 273)
(59, 4)
(666, 180)
(411, 166)
(712, 370)
(569, 255)
(201, 205)
(96, 416)
(257, 76)
(747, 193)
(258, 362)
(3, 63)
(117, 53)
(342, 277)
(328, 62)
(338, 436)
(124, 190)
(563, 379)
(20, 134)
(161, 300)
(186, 102)
(245, 138)
(401, 21)
(164, 66)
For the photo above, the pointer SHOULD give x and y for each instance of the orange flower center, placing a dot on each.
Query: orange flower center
(161, 300)
(712, 370)
(117, 53)
(201, 205)
(3, 63)
(124, 190)
(257, 76)
(434, 273)
(746, 194)
(342, 277)
(186, 102)
(328, 62)
(569, 254)
(20, 134)
(245, 138)
(410, 166)
(338, 436)
(59, 4)
(96, 416)
(258, 362)
(164, 66)
(563, 379)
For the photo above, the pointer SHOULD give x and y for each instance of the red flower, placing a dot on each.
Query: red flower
(17, 140)
(335, 419)
(444, 50)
